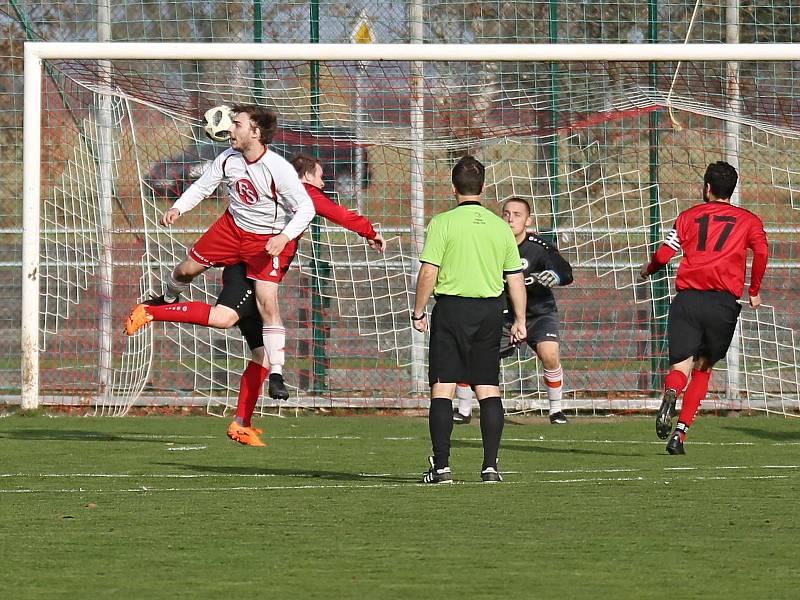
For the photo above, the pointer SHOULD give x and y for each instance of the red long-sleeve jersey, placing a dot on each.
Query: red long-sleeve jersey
(714, 237)
(340, 215)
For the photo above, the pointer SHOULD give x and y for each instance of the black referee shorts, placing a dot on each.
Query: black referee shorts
(465, 340)
(238, 293)
(701, 323)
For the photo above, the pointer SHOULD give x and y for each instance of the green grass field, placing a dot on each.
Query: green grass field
(158, 507)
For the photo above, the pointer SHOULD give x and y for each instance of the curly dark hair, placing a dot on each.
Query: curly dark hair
(264, 118)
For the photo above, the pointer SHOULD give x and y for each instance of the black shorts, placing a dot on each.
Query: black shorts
(465, 340)
(701, 323)
(543, 328)
(238, 293)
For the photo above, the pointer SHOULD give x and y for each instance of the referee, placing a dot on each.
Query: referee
(468, 251)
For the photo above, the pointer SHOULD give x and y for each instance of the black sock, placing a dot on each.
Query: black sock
(492, 418)
(440, 424)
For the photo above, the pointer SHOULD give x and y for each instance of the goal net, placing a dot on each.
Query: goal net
(607, 153)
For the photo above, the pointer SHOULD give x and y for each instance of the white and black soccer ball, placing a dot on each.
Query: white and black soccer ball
(218, 121)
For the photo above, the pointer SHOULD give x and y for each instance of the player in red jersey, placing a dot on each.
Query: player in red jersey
(236, 303)
(714, 237)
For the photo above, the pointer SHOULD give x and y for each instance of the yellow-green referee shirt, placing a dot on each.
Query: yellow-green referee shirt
(473, 249)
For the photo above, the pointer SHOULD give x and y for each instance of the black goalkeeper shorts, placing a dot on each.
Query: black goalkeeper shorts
(465, 340)
(238, 293)
(701, 323)
(543, 328)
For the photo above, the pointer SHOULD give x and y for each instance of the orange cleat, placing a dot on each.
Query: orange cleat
(244, 435)
(138, 318)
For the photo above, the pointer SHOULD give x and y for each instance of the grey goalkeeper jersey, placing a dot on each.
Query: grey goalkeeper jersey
(266, 196)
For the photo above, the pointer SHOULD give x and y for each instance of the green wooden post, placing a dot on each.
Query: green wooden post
(658, 325)
(258, 65)
(319, 268)
(553, 157)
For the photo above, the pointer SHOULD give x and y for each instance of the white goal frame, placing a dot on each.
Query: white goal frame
(36, 52)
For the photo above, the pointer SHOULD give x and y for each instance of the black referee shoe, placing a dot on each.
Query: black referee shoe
(491, 475)
(665, 413)
(435, 476)
(558, 418)
(460, 419)
(277, 388)
(158, 301)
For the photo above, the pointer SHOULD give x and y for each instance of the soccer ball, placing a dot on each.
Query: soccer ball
(217, 122)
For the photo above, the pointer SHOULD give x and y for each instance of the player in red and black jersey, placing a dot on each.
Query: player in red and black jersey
(236, 303)
(714, 238)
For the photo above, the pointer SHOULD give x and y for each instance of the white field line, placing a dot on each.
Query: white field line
(674, 474)
(147, 490)
(532, 440)
(255, 488)
(313, 475)
(631, 442)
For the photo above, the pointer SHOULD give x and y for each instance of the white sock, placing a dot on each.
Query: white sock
(174, 289)
(464, 396)
(554, 380)
(274, 343)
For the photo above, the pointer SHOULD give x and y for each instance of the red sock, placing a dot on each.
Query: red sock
(182, 312)
(697, 390)
(675, 380)
(250, 388)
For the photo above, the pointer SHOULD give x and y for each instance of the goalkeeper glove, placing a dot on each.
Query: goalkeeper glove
(547, 278)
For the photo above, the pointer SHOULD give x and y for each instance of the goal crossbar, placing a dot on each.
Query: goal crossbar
(414, 52)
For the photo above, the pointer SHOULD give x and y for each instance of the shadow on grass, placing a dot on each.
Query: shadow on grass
(75, 435)
(301, 474)
(767, 434)
(539, 448)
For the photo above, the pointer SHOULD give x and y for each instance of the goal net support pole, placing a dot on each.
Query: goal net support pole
(734, 96)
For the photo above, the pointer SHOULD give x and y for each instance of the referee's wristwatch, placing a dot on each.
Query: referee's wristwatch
(417, 318)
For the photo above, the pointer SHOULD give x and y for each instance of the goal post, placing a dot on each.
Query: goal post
(602, 211)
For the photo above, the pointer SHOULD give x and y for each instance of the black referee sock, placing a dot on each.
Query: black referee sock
(440, 424)
(492, 419)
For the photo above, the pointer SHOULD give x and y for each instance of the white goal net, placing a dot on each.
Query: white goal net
(606, 152)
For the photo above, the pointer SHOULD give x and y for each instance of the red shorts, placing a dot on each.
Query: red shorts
(225, 243)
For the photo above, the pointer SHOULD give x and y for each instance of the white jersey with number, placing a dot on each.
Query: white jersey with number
(266, 196)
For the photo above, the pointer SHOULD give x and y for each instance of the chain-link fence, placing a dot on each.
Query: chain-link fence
(553, 133)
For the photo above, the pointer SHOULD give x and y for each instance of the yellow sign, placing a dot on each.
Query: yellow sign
(362, 32)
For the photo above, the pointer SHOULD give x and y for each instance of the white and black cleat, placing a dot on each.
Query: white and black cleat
(675, 444)
(558, 418)
(435, 475)
(460, 419)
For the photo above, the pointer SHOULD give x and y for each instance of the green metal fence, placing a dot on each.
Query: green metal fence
(614, 346)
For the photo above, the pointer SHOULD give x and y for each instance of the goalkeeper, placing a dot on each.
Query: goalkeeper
(236, 304)
(544, 268)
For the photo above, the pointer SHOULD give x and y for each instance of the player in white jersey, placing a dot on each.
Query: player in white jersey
(269, 209)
